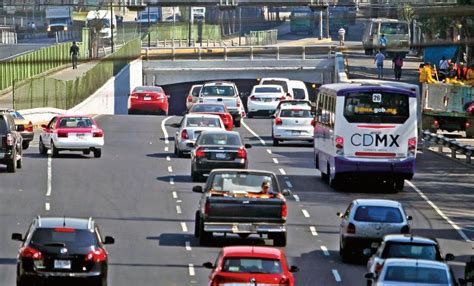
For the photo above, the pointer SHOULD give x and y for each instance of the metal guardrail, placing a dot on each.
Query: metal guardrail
(455, 146)
(8, 37)
(183, 43)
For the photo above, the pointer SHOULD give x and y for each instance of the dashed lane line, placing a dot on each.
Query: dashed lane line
(337, 277)
(325, 250)
(178, 209)
(305, 213)
(171, 181)
(313, 230)
(282, 171)
(191, 270)
(175, 195)
(297, 198)
(253, 133)
(47, 206)
(184, 227)
(170, 169)
(269, 151)
(168, 158)
(163, 128)
(275, 160)
(187, 246)
(48, 189)
(440, 213)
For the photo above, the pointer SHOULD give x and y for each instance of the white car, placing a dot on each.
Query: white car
(264, 99)
(71, 133)
(409, 272)
(292, 123)
(300, 92)
(283, 82)
(190, 127)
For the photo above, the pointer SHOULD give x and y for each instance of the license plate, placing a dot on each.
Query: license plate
(147, 98)
(242, 228)
(268, 100)
(80, 135)
(221, 155)
(62, 264)
(295, 132)
(374, 245)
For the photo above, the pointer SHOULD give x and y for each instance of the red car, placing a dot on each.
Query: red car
(251, 265)
(217, 109)
(148, 99)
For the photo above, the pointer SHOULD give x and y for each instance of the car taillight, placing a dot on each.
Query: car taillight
(242, 153)
(200, 152)
(278, 121)
(284, 210)
(206, 208)
(132, 96)
(64, 229)
(238, 103)
(29, 128)
(378, 267)
(62, 134)
(282, 98)
(9, 139)
(313, 122)
(339, 145)
(253, 97)
(405, 229)
(467, 125)
(97, 255)
(30, 252)
(412, 146)
(184, 134)
(436, 123)
(351, 228)
(189, 98)
(98, 134)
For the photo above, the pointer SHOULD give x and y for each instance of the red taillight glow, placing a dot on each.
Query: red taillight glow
(284, 210)
(200, 152)
(206, 208)
(351, 228)
(30, 252)
(412, 146)
(253, 97)
(238, 103)
(282, 98)
(97, 255)
(184, 134)
(62, 134)
(98, 134)
(9, 140)
(64, 229)
(467, 124)
(339, 142)
(189, 98)
(436, 123)
(278, 121)
(242, 153)
(313, 122)
(29, 128)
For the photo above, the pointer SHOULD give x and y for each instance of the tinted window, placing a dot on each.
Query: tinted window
(378, 107)
(378, 214)
(408, 250)
(75, 122)
(295, 113)
(268, 90)
(251, 183)
(148, 88)
(298, 93)
(217, 90)
(70, 237)
(394, 28)
(252, 265)
(281, 83)
(432, 276)
(203, 122)
(207, 108)
(3, 125)
(16, 115)
(219, 139)
(195, 91)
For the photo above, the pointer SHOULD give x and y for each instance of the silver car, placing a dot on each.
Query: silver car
(190, 127)
(366, 222)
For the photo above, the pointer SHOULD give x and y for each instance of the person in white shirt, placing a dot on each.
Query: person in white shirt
(341, 33)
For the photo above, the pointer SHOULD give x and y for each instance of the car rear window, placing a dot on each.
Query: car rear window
(148, 88)
(411, 251)
(69, 236)
(195, 91)
(407, 274)
(218, 90)
(378, 214)
(250, 183)
(3, 125)
(252, 265)
(219, 139)
(268, 90)
(281, 83)
(75, 122)
(298, 93)
(203, 122)
(295, 113)
(207, 108)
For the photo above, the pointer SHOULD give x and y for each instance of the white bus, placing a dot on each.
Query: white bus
(365, 131)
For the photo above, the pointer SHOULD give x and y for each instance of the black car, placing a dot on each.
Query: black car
(217, 149)
(60, 248)
(11, 150)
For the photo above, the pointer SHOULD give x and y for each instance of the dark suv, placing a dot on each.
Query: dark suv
(11, 150)
(57, 249)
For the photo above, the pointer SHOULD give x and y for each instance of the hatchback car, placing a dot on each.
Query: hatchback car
(367, 221)
(251, 265)
(405, 246)
(60, 248)
(71, 133)
(409, 272)
(148, 100)
(294, 124)
(27, 132)
(218, 149)
(264, 99)
(189, 129)
(216, 109)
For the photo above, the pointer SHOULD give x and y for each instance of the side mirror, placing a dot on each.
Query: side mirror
(339, 214)
(449, 257)
(294, 269)
(286, 192)
(17, 236)
(109, 240)
(369, 276)
(208, 265)
(248, 146)
(409, 217)
(367, 252)
(190, 145)
(20, 128)
(197, 189)
(44, 126)
(175, 125)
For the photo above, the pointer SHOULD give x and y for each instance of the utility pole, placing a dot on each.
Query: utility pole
(111, 26)
(240, 25)
(189, 26)
(149, 40)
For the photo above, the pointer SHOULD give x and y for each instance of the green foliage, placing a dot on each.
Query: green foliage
(406, 12)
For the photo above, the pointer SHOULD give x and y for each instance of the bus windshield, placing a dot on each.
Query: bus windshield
(394, 28)
(381, 107)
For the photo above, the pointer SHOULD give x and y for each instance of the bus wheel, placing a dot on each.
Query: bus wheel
(333, 183)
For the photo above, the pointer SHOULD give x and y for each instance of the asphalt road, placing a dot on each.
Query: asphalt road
(140, 193)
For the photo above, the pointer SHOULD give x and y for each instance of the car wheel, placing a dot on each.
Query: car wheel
(276, 142)
(97, 153)
(86, 152)
(11, 164)
(279, 239)
(54, 150)
(333, 182)
(399, 184)
(20, 281)
(344, 253)
(249, 115)
(175, 150)
(196, 224)
(25, 145)
(42, 148)
(205, 238)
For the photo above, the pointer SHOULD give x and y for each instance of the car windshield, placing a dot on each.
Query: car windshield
(70, 237)
(229, 139)
(298, 93)
(207, 108)
(281, 83)
(295, 113)
(379, 107)
(410, 250)
(378, 214)
(202, 122)
(75, 122)
(252, 265)
(16, 115)
(218, 90)
(148, 89)
(268, 90)
(410, 274)
(250, 183)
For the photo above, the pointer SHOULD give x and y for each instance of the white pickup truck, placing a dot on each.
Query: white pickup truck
(226, 93)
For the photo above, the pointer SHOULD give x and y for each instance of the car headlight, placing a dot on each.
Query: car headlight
(65, 28)
(48, 29)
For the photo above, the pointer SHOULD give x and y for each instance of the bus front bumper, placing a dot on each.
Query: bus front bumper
(395, 167)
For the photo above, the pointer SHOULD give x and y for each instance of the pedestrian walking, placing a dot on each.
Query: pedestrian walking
(383, 43)
(378, 61)
(397, 64)
(342, 34)
(74, 52)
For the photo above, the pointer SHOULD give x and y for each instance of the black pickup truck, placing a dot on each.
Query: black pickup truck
(10, 143)
(233, 202)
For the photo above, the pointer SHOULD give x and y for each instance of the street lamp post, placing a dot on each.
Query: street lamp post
(189, 26)
(111, 26)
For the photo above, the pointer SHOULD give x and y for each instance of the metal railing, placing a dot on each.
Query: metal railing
(261, 38)
(182, 43)
(8, 37)
(455, 146)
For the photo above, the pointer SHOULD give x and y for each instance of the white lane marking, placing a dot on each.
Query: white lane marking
(165, 132)
(325, 250)
(168, 158)
(191, 270)
(178, 209)
(175, 195)
(441, 214)
(179, 201)
(275, 160)
(171, 181)
(253, 133)
(184, 227)
(282, 171)
(313, 231)
(289, 184)
(269, 151)
(337, 277)
(297, 198)
(188, 245)
(170, 169)
(47, 206)
(305, 213)
(166, 149)
(48, 190)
